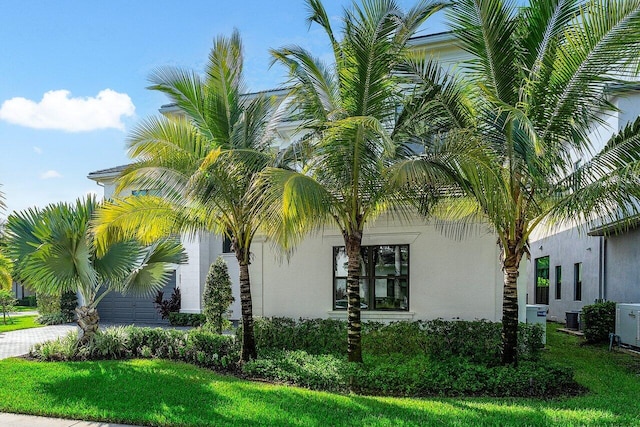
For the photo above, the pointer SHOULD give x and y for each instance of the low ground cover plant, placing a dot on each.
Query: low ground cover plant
(422, 358)
(195, 346)
(425, 358)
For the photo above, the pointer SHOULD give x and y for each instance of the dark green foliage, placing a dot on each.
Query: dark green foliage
(317, 372)
(217, 296)
(414, 376)
(195, 346)
(477, 341)
(68, 304)
(315, 336)
(29, 301)
(53, 319)
(167, 306)
(48, 303)
(186, 319)
(598, 321)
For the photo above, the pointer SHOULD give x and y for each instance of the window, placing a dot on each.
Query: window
(577, 281)
(384, 277)
(558, 282)
(542, 280)
(226, 245)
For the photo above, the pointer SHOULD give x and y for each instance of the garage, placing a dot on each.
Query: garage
(118, 308)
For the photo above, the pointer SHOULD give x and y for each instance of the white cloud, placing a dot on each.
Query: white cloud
(38, 150)
(50, 174)
(58, 110)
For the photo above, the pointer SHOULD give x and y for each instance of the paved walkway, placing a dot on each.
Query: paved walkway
(17, 343)
(16, 420)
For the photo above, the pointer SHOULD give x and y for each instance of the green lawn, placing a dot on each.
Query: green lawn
(20, 308)
(162, 393)
(18, 322)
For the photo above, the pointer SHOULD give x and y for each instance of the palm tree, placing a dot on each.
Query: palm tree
(54, 252)
(537, 85)
(349, 112)
(202, 161)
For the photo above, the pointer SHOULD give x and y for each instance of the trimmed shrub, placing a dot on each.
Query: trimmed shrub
(61, 349)
(599, 320)
(217, 296)
(315, 336)
(29, 301)
(186, 319)
(477, 341)
(48, 304)
(318, 372)
(53, 319)
(195, 346)
(68, 304)
(418, 376)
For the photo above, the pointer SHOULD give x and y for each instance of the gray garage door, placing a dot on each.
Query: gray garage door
(118, 308)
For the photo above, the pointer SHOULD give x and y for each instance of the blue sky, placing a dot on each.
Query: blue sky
(73, 77)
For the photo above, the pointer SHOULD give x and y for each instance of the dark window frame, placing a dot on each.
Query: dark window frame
(558, 279)
(371, 277)
(577, 281)
(541, 292)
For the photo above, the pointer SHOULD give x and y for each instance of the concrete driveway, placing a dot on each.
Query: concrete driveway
(17, 343)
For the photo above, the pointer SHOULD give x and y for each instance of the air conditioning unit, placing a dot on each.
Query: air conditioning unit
(628, 324)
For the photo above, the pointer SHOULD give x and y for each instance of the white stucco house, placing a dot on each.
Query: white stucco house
(575, 266)
(412, 271)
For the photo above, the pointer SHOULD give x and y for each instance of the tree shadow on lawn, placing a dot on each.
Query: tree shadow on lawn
(165, 393)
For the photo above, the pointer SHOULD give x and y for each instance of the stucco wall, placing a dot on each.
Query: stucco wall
(447, 278)
(622, 267)
(566, 249)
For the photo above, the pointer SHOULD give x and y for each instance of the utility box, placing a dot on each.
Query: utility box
(537, 315)
(628, 324)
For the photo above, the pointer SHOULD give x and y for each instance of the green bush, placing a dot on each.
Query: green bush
(48, 304)
(53, 319)
(7, 304)
(29, 301)
(194, 346)
(598, 321)
(477, 341)
(68, 304)
(186, 319)
(217, 296)
(61, 349)
(318, 372)
(418, 376)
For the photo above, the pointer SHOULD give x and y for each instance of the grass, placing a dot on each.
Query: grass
(20, 308)
(162, 393)
(15, 323)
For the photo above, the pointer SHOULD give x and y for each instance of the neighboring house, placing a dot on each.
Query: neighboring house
(573, 267)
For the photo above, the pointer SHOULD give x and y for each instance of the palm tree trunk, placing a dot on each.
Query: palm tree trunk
(353, 244)
(510, 267)
(249, 350)
(88, 321)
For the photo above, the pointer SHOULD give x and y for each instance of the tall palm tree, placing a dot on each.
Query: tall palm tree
(54, 252)
(6, 265)
(349, 112)
(202, 162)
(537, 85)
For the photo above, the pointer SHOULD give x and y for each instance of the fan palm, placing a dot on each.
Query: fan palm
(202, 162)
(353, 133)
(539, 76)
(54, 252)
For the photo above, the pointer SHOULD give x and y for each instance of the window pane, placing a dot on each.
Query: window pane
(391, 293)
(558, 282)
(342, 262)
(341, 294)
(542, 280)
(391, 260)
